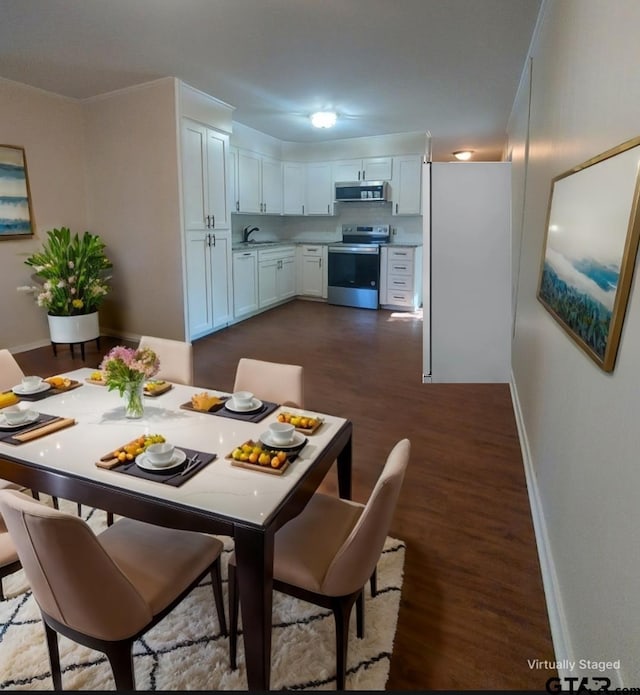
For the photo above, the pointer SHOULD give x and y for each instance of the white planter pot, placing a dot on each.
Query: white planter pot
(74, 329)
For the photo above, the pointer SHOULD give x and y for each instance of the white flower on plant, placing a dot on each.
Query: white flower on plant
(61, 283)
(47, 285)
(71, 279)
(71, 265)
(72, 290)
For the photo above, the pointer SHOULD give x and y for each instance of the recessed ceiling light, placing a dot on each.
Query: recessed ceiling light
(323, 119)
(463, 155)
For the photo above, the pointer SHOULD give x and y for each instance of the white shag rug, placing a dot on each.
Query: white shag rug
(186, 651)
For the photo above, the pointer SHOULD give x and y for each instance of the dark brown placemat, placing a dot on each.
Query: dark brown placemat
(266, 409)
(6, 435)
(53, 391)
(171, 477)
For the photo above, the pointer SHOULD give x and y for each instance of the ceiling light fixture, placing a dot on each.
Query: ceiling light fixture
(463, 155)
(323, 119)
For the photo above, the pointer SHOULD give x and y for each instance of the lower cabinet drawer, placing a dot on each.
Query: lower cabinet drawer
(399, 282)
(400, 298)
(396, 267)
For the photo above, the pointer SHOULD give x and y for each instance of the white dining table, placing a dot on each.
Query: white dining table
(248, 505)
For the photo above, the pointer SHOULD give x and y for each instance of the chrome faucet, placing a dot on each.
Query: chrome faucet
(246, 232)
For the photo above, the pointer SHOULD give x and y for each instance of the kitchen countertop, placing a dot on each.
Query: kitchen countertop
(251, 245)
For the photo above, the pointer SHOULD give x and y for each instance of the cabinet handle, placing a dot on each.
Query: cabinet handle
(213, 223)
(303, 209)
(364, 178)
(214, 239)
(401, 267)
(319, 262)
(328, 209)
(237, 205)
(206, 221)
(396, 208)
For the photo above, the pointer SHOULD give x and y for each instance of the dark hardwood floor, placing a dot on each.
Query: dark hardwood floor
(472, 611)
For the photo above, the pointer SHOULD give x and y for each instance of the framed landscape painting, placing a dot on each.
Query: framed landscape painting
(15, 199)
(590, 247)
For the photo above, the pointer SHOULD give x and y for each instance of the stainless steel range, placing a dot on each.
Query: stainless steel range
(354, 266)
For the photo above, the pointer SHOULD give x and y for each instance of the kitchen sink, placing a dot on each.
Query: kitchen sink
(257, 243)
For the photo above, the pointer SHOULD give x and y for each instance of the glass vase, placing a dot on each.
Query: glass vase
(133, 402)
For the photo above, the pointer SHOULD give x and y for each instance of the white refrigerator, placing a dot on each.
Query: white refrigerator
(467, 272)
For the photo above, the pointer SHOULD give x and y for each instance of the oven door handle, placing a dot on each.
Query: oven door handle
(372, 251)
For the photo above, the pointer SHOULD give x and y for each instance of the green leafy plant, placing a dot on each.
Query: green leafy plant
(73, 272)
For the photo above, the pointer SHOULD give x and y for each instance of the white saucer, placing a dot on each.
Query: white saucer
(31, 416)
(21, 391)
(298, 438)
(256, 404)
(179, 457)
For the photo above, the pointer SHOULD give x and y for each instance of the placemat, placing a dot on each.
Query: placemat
(7, 435)
(173, 476)
(53, 391)
(266, 409)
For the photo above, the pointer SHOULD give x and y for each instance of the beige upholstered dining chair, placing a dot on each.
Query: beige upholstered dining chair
(271, 381)
(9, 562)
(176, 358)
(10, 371)
(10, 375)
(329, 551)
(106, 591)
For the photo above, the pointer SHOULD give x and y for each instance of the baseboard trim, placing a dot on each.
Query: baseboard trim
(557, 621)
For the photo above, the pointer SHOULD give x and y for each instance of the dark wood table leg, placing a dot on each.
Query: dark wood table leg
(344, 471)
(254, 561)
(55, 349)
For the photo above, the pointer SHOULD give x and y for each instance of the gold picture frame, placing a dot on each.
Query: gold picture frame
(590, 247)
(16, 216)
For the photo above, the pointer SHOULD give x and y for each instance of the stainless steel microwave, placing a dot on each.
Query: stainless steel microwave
(362, 191)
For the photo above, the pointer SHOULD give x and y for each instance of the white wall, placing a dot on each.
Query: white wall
(578, 423)
(134, 203)
(49, 128)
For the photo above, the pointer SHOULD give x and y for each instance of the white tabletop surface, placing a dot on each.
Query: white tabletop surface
(242, 494)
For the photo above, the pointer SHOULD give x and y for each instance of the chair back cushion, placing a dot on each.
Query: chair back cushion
(355, 561)
(72, 578)
(271, 381)
(176, 358)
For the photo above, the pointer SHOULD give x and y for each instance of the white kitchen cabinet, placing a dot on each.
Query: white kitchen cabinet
(320, 191)
(259, 184)
(367, 169)
(276, 275)
(406, 185)
(401, 277)
(312, 270)
(294, 179)
(245, 283)
(232, 180)
(207, 271)
(205, 154)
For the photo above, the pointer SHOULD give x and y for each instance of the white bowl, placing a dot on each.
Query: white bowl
(31, 383)
(160, 454)
(281, 432)
(242, 399)
(14, 415)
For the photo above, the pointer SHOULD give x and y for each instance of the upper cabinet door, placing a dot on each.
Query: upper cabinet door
(249, 181)
(217, 178)
(294, 178)
(194, 175)
(377, 169)
(347, 170)
(319, 189)
(406, 185)
(271, 186)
